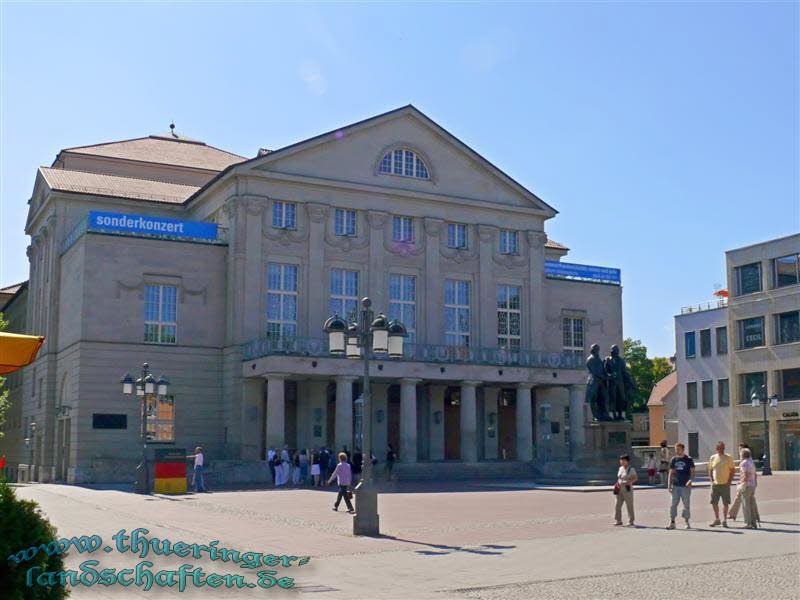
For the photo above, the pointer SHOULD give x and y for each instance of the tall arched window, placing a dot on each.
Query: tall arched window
(402, 161)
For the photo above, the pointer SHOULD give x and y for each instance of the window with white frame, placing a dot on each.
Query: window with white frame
(344, 294)
(403, 162)
(573, 333)
(509, 317)
(160, 314)
(456, 235)
(456, 312)
(345, 222)
(284, 215)
(509, 242)
(403, 302)
(402, 229)
(281, 300)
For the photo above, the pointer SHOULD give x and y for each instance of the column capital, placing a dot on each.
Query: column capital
(345, 378)
(410, 380)
(471, 383)
(524, 385)
(275, 375)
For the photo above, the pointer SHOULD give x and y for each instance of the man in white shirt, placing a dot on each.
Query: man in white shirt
(197, 477)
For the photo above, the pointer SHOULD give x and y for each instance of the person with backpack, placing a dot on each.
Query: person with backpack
(623, 490)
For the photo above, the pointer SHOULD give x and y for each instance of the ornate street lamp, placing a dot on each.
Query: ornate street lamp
(759, 396)
(146, 386)
(358, 340)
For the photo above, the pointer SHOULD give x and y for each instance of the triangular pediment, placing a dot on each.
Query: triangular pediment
(353, 154)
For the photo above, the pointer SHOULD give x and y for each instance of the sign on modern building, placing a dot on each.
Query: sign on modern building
(147, 225)
(562, 270)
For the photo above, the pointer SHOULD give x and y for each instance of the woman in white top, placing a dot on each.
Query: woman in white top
(197, 477)
(623, 489)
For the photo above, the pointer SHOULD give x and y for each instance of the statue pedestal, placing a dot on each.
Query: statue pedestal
(605, 442)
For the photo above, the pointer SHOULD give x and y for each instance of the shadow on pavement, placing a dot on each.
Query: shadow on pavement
(444, 549)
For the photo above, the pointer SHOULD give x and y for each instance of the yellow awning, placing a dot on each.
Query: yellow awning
(17, 351)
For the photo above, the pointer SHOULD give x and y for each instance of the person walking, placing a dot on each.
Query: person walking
(748, 480)
(664, 458)
(737, 501)
(324, 463)
(197, 477)
(679, 483)
(304, 467)
(344, 478)
(652, 468)
(315, 470)
(623, 489)
(720, 472)
(391, 457)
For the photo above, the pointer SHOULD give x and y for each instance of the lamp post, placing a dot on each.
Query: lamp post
(358, 340)
(759, 396)
(145, 388)
(30, 443)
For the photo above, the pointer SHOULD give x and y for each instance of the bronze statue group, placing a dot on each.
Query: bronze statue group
(609, 386)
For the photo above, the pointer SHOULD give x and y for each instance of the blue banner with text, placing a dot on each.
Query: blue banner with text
(155, 226)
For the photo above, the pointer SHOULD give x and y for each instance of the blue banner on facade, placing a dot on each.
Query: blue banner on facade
(554, 268)
(155, 226)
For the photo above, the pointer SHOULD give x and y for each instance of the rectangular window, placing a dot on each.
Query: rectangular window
(284, 215)
(707, 391)
(109, 421)
(790, 384)
(573, 333)
(691, 395)
(748, 279)
(751, 333)
(787, 327)
(456, 312)
(402, 229)
(723, 393)
(403, 303)
(160, 418)
(722, 340)
(456, 235)
(345, 222)
(344, 294)
(705, 342)
(688, 344)
(786, 270)
(749, 383)
(160, 314)
(281, 300)
(509, 242)
(509, 317)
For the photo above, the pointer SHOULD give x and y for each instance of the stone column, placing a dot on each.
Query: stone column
(469, 422)
(276, 410)
(252, 418)
(491, 444)
(536, 242)
(437, 428)
(408, 420)
(524, 418)
(484, 303)
(344, 412)
(577, 416)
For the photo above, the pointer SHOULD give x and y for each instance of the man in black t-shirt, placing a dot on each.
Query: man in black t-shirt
(681, 473)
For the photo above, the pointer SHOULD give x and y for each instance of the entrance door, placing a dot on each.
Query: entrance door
(392, 418)
(452, 424)
(507, 426)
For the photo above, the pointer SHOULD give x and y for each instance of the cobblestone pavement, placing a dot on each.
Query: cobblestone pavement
(442, 539)
(775, 578)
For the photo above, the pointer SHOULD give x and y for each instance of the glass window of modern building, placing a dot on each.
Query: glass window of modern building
(786, 270)
(723, 393)
(573, 333)
(787, 327)
(456, 235)
(790, 384)
(345, 222)
(707, 392)
(751, 333)
(722, 340)
(688, 344)
(705, 342)
(344, 294)
(691, 395)
(403, 302)
(281, 300)
(457, 312)
(402, 229)
(509, 317)
(509, 242)
(748, 279)
(749, 383)
(284, 215)
(160, 314)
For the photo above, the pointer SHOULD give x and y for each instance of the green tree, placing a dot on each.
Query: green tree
(645, 371)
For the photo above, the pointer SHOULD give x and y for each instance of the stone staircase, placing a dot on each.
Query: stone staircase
(458, 471)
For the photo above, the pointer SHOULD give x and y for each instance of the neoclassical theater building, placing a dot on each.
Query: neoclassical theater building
(220, 271)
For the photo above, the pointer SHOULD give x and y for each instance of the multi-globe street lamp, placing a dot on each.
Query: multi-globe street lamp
(145, 387)
(358, 340)
(759, 396)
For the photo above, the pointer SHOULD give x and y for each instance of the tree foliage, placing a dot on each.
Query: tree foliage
(646, 372)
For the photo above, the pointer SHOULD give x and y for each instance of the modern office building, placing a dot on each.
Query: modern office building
(702, 382)
(764, 330)
(219, 271)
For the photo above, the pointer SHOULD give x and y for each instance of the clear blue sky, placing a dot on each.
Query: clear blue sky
(664, 133)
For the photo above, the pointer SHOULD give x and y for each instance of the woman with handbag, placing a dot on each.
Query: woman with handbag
(623, 489)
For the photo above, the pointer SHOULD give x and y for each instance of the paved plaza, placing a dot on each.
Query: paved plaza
(450, 540)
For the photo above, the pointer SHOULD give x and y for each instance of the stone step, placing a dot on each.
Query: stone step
(449, 471)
